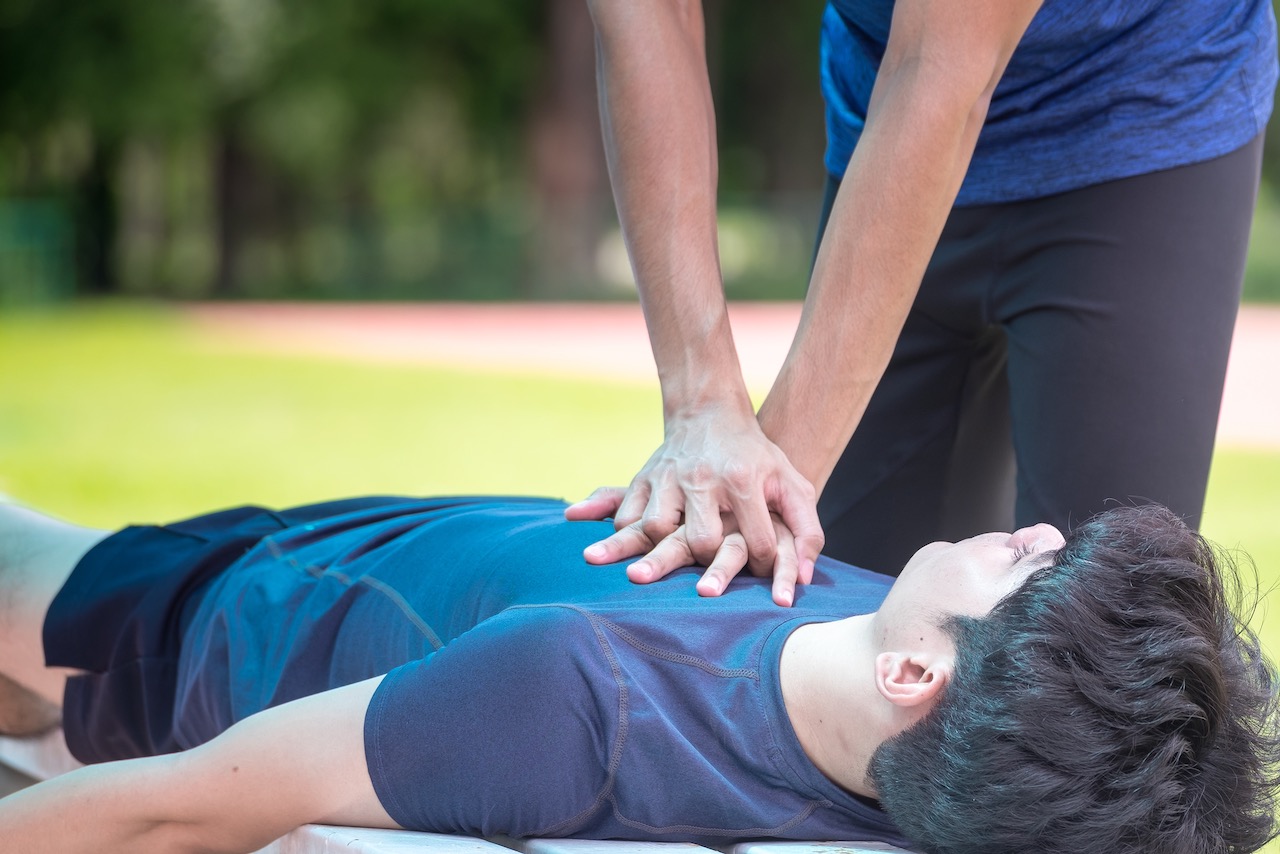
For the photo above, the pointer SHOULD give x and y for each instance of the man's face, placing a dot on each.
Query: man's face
(968, 577)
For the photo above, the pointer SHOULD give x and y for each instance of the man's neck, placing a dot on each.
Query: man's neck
(828, 685)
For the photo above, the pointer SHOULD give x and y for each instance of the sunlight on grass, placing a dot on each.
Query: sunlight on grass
(1262, 272)
(120, 415)
(1241, 512)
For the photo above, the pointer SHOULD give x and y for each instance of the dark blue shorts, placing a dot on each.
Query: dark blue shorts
(121, 615)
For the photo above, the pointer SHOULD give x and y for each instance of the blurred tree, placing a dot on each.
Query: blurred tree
(567, 157)
(337, 146)
(386, 148)
(84, 76)
(333, 81)
(1271, 149)
(764, 59)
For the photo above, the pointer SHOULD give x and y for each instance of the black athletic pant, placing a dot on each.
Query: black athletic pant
(1063, 355)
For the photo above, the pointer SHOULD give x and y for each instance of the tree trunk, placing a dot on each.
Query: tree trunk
(365, 272)
(232, 190)
(569, 176)
(97, 219)
(789, 122)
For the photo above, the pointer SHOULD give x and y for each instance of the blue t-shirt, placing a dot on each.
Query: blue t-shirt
(1096, 90)
(528, 693)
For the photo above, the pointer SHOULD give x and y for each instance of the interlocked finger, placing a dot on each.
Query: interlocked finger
(600, 504)
(785, 567)
(667, 556)
(704, 529)
(758, 537)
(729, 561)
(662, 514)
(620, 545)
(800, 519)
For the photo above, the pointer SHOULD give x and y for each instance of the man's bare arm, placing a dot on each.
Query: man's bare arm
(659, 128)
(942, 63)
(288, 766)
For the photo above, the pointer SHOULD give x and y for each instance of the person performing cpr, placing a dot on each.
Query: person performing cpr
(1031, 255)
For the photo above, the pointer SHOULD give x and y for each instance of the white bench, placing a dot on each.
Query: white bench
(38, 759)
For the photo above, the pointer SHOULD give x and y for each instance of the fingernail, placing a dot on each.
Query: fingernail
(594, 551)
(787, 599)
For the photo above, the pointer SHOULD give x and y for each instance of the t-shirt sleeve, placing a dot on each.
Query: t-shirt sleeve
(507, 729)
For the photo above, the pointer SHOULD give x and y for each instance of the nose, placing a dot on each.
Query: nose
(1037, 538)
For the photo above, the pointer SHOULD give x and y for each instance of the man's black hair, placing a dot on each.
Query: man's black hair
(1115, 703)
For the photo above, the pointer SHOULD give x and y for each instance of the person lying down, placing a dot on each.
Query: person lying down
(454, 665)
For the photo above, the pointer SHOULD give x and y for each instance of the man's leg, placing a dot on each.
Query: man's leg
(939, 416)
(1119, 328)
(37, 554)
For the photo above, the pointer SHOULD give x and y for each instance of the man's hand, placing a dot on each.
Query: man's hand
(717, 481)
(674, 551)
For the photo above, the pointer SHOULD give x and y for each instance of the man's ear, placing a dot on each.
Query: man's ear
(909, 680)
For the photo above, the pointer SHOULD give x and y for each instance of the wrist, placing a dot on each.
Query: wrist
(718, 405)
(811, 435)
(697, 362)
(721, 396)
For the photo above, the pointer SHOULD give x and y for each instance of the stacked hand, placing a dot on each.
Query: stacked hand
(717, 494)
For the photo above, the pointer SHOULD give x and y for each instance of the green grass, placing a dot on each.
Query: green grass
(114, 414)
(1241, 513)
(121, 414)
(1262, 271)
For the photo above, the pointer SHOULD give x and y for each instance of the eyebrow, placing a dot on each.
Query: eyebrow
(1037, 560)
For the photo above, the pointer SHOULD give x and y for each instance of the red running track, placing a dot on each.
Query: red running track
(608, 341)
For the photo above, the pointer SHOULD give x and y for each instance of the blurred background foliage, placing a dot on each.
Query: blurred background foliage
(386, 149)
